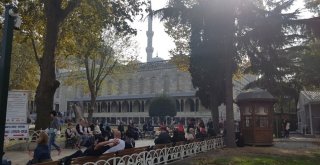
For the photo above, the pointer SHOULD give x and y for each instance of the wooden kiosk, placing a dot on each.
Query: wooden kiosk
(256, 109)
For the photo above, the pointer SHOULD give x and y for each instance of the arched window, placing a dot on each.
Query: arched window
(104, 107)
(189, 105)
(114, 107)
(136, 106)
(125, 107)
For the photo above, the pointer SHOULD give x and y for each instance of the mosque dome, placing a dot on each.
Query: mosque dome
(155, 59)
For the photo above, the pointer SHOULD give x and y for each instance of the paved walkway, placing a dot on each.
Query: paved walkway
(22, 157)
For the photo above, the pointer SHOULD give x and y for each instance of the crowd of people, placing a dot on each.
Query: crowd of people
(90, 139)
(193, 131)
(94, 139)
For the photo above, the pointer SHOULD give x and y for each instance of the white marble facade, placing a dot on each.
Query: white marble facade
(127, 97)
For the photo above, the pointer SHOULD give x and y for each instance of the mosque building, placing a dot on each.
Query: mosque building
(128, 97)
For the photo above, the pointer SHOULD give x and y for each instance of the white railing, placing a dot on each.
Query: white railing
(164, 155)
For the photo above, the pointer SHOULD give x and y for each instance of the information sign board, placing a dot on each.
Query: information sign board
(17, 131)
(17, 107)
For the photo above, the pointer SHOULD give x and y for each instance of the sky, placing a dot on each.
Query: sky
(162, 43)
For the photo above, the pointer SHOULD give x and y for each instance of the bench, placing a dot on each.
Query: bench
(49, 163)
(155, 154)
(131, 151)
(85, 159)
(160, 146)
(179, 143)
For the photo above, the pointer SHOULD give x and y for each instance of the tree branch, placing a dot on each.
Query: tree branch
(35, 49)
(90, 83)
(71, 6)
(110, 69)
(93, 68)
(101, 66)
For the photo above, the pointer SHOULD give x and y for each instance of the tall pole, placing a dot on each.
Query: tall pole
(5, 71)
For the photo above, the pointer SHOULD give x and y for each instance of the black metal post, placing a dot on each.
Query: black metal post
(5, 72)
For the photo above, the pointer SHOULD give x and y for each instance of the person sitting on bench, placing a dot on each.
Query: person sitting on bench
(70, 133)
(42, 152)
(120, 146)
(98, 149)
(163, 137)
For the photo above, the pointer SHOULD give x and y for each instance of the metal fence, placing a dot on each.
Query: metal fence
(164, 155)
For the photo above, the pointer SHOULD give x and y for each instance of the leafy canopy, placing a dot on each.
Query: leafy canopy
(162, 106)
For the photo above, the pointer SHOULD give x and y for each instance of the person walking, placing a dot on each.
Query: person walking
(52, 131)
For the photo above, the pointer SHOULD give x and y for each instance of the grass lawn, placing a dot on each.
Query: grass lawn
(312, 159)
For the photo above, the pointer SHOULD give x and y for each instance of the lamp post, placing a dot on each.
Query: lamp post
(12, 20)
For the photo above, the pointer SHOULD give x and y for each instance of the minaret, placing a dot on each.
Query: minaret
(149, 48)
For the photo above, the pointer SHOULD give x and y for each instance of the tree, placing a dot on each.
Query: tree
(103, 60)
(42, 20)
(216, 31)
(55, 12)
(44, 29)
(272, 48)
(162, 106)
(212, 52)
(101, 44)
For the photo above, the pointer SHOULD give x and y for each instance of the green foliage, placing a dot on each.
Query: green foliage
(24, 73)
(212, 27)
(309, 75)
(313, 5)
(223, 34)
(177, 27)
(181, 61)
(101, 40)
(162, 106)
(269, 40)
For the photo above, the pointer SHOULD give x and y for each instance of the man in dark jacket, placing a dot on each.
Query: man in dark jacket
(163, 137)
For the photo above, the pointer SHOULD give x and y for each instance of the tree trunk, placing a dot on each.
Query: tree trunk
(78, 112)
(91, 108)
(215, 114)
(48, 83)
(229, 9)
(230, 136)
